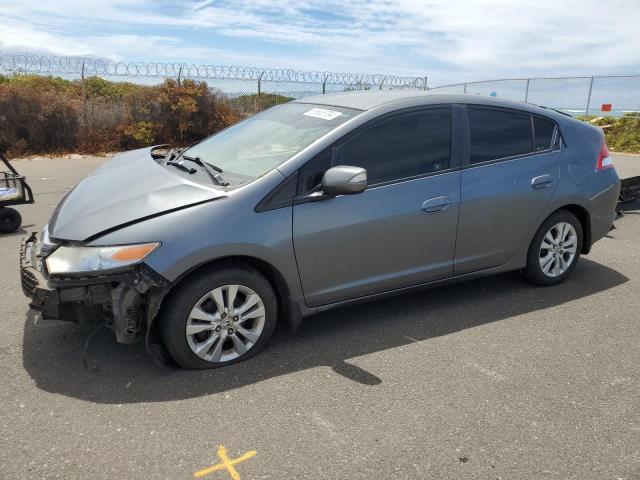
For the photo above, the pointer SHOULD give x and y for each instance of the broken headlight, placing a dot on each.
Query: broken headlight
(70, 259)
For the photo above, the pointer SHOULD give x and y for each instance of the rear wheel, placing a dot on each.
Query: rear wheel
(555, 249)
(10, 220)
(218, 318)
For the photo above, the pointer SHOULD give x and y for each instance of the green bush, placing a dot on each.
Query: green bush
(37, 115)
(54, 115)
(141, 132)
(622, 134)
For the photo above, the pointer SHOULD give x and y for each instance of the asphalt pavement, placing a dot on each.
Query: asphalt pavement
(491, 378)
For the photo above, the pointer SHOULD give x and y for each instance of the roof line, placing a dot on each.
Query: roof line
(329, 105)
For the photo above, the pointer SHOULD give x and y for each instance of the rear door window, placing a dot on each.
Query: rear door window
(403, 146)
(543, 133)
(496, 134)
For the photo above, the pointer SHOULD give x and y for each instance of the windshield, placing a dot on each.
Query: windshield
(259, 144)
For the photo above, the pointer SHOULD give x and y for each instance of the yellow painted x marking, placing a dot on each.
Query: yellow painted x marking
(225, 464)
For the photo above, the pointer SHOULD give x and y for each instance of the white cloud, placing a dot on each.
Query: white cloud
(448, 40)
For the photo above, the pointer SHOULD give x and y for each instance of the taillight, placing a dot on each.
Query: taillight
(604, 159)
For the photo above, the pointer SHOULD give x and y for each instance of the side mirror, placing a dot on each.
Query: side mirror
(344, 180)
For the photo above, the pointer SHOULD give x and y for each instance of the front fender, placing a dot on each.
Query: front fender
(225, 228)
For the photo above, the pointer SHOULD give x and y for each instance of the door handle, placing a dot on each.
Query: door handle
(437, 204)
(543, 181)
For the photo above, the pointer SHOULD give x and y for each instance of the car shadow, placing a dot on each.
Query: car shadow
(119, 374)
(19, 232)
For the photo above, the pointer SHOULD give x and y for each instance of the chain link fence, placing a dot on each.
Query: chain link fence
(232, 81)
(50, 104)
(260, 87)
(598, 95)
(54, 104)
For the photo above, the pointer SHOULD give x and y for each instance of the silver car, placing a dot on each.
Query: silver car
(315, 204)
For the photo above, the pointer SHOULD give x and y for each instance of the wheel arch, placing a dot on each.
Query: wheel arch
(585, 222)
(286, 306)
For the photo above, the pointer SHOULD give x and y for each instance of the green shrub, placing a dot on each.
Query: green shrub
(141, 132)
(52, 115)
(36, 117)
(622, 134)
(99, 87)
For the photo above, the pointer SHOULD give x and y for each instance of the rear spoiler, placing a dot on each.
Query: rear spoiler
(554, 110)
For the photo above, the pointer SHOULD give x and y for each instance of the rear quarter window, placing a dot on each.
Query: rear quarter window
(543, 133)
(498, 134)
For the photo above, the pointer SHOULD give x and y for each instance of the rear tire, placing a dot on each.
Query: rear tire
(10, 220)
(555, 249)
(201, 329)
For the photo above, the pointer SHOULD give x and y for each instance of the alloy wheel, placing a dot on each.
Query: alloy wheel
(558, 249)
(225, 323)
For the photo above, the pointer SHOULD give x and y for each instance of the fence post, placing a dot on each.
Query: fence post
(179, 74)
(259, 91)
(589, 97)
(425, 83)
(526, 92)
(382, 82)
(464, 90)
(82, 81)
(84, 103)
(324, 84)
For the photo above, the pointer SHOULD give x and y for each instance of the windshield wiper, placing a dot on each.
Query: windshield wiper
(182, 166)
(214, 172)
(171, 154)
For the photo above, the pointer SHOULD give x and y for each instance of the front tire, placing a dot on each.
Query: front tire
(219, 317)
(555, 249)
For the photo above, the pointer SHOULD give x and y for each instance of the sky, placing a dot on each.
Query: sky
(447, 40)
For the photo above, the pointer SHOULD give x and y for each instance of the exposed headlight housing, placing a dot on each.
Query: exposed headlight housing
(69, 259)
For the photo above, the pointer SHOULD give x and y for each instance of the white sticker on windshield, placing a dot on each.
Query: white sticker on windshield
(322, 113)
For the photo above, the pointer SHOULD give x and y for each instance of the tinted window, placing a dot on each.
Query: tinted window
(498, 134)
(543, 131)
(403, 146)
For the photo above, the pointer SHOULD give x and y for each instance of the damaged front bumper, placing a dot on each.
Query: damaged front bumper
(126, 301)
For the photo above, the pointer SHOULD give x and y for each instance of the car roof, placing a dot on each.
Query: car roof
(369, 99)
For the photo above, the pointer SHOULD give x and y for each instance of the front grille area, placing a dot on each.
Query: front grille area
(29, 282)
(28, 279)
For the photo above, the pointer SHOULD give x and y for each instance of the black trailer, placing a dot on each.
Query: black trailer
(629, 193)
(14, 190)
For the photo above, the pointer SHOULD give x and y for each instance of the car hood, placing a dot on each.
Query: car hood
(127, 189)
